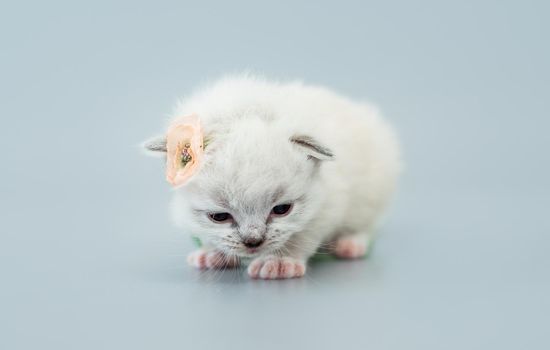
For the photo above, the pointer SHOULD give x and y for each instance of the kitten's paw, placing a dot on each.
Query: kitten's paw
(213, 259)
(271, 267)
(350, 247)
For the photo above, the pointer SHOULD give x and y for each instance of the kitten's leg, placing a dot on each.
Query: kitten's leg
(288, 262)
(352, 246)
(206, 258)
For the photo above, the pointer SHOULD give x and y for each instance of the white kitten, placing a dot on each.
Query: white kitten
(288, 168)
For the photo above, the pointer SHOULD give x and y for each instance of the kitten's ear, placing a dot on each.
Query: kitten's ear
(156, 145)
(312, 148)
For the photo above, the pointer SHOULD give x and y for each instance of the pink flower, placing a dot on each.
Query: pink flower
(185, 147)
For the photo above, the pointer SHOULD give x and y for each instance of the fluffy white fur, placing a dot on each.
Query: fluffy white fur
(251, 165)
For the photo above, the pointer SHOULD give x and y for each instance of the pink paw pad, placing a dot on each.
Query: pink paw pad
(350, 248)
(271, 268)
(211, 260)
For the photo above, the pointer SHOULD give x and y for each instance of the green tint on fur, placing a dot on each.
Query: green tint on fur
(197, 241)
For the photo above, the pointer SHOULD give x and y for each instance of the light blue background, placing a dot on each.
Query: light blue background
(89, 259)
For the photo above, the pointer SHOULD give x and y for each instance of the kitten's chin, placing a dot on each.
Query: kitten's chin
(240, 252)
(260, 251)
(249, 252)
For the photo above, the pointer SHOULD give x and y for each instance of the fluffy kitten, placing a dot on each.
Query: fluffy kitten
(288, 167)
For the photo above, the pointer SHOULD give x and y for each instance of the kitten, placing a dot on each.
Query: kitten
(287, 168)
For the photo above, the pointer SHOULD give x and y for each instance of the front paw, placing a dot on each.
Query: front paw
(213, 259)
(272, 267)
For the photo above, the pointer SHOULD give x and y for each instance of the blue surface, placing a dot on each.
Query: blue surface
(89, 259)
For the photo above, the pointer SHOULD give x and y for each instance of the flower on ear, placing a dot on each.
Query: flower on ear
(184, 147)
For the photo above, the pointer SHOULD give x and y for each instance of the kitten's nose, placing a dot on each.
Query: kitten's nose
(253, 242)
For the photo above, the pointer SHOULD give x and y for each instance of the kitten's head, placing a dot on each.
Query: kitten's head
(256, 188)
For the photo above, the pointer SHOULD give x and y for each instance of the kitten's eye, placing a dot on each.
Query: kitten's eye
(220, 217)
(281, 209)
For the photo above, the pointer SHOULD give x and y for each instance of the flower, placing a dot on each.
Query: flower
(185, 147)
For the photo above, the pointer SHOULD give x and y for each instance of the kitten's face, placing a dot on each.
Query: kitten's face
(258, 222)
(251, 196)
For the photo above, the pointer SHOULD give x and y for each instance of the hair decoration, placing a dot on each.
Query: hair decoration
(185, 148)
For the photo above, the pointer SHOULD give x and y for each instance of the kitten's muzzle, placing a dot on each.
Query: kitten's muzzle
(252, 235)
(253, 242)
